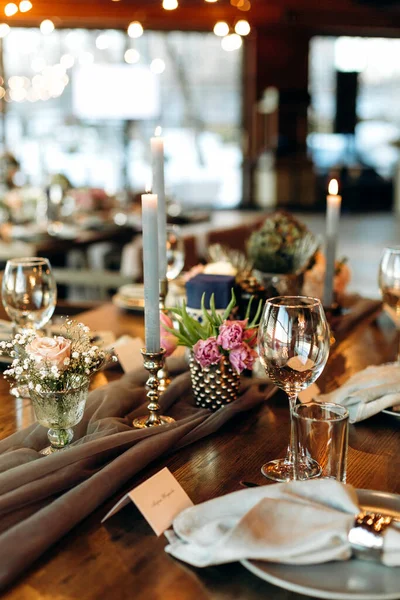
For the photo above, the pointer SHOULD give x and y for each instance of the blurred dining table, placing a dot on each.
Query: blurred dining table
(52, 246)
(125, 559)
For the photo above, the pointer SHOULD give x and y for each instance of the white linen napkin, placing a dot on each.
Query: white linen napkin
(301, 522)
(368, 392)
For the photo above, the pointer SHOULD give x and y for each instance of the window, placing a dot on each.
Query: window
(85, 103)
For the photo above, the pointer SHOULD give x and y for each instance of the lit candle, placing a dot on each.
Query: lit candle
(150, 272)
(157, 155)
(333, 203)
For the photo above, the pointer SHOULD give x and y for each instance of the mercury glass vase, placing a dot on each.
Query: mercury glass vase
(214, 386)
(60, 411)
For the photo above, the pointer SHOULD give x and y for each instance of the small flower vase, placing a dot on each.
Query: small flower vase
(60, 411)
(214, 386)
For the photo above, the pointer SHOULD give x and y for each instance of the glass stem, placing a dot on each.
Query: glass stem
(290, 448)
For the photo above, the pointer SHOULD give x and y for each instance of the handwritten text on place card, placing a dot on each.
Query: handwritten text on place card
(160, 499)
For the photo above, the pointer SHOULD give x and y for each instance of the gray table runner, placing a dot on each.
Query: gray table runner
(43, 497)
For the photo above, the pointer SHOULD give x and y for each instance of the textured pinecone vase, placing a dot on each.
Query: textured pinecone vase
(214, 386)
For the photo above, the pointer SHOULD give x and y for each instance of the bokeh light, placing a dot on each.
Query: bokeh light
(135, 29)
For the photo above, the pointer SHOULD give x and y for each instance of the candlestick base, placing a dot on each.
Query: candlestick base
(153, 362)
(163, 379)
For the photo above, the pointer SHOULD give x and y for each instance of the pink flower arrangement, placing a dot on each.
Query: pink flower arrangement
(206, 352)
(217, 337)
(55, 351)
(52, 364)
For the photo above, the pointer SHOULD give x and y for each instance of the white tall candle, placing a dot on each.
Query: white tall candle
(150, 272)
(333, 204)
(157, 155)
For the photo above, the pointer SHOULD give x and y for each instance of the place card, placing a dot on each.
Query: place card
(160, 499)
(128, 349)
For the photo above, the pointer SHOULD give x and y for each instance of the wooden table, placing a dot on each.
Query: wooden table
(124, 559)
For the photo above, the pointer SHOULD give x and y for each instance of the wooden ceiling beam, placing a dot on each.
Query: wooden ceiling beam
(310, 14)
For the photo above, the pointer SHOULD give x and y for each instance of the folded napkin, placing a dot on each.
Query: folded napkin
(368, 392)
(301, 522)
(43, 497)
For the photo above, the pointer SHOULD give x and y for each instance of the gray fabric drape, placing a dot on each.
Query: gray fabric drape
(43, 497)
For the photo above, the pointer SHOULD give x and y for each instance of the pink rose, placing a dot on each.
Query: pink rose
(52, 350)
(231, 334)
(242, 357)
(206, 352)
(250, 336)
(167, 339)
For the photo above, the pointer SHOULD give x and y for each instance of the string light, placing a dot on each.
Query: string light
(47, 27)
(221, 28)
(244, 5)
(231, 42)
(170, 4)
(135, 29)
(102, 41)
(10, 9)
(131, 56)
(157, 66)
(25, 5)
(67, 61)
(4, 29)
(242, 27)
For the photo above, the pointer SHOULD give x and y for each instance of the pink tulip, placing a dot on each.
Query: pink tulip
(242, 357)
(231, 334)
(168, 341)
(206, 352)
(250, 336)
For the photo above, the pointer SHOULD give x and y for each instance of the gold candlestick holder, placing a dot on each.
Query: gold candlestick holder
(153, 362)
(163, 375)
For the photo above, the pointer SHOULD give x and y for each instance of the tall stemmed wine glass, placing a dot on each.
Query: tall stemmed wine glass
(175, 252)
(29, 295)
(389, 283)
(293, 343)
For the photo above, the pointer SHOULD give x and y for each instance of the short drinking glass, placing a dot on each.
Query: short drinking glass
(321, 434)
(293, 343)
(389, 283)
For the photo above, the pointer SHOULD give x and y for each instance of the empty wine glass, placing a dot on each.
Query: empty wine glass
(389, 283)
(29, 295)
(175, 252)
(293, 343)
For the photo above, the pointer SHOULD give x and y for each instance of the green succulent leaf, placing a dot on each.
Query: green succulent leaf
(230, 306)
(256, 319)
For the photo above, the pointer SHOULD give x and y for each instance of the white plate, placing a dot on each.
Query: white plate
(135, 304)
(132, 290)
(342, 580)
(392, 413)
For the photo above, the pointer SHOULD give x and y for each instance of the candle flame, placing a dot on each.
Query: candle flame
(333, 187)
(148, 188)
(158, 131)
